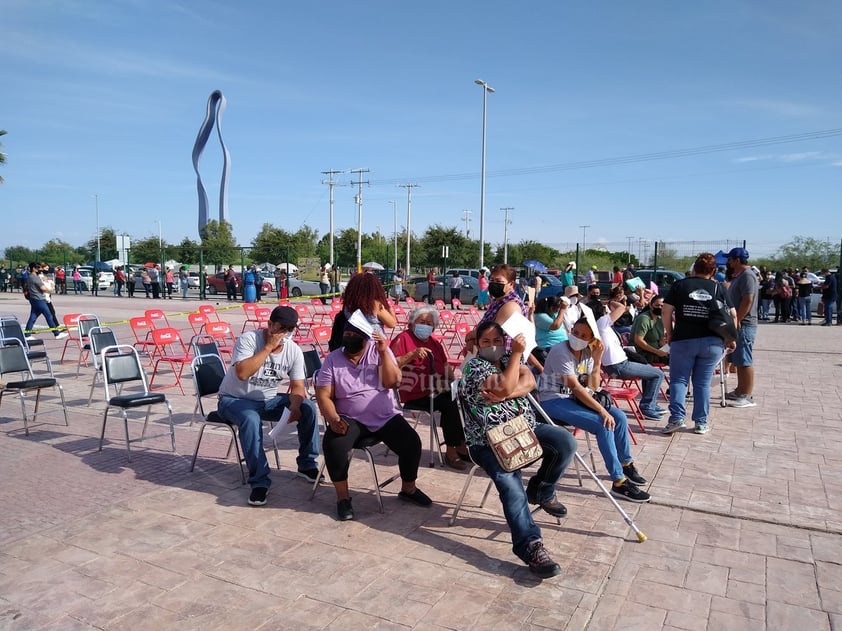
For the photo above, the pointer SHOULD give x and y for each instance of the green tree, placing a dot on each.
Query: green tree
(271, 244)
(187, 252)
(2, 155)
(462, 251)
(218, 243)
(531, 250)
(145, 250)
(19, 254)
(107, 244)
(57, 252)
(816, 254)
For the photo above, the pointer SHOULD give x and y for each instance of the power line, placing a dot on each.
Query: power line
(630, 159)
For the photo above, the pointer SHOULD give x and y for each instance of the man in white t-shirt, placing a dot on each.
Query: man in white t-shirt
(249, 395)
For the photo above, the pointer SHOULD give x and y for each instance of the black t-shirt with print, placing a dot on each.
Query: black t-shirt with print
(691, 298)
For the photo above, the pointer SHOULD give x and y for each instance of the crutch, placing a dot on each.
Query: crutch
(723, 378)
(640, 536)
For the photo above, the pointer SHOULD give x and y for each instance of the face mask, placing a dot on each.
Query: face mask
(573, 300)
(577, 343)
(352, 344)
(492, 353)
(496, 290)
(656, 311)
(594, 296)
(423, 331)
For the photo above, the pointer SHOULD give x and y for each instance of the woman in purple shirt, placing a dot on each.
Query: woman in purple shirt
(354, 391)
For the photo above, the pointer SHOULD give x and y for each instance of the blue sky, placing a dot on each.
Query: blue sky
(106, 98)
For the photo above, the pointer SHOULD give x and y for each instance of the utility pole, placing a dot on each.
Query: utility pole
(506, 234)
(395, 233)
(630, 248)
(584, 231)
(467, 223)
(359, 201)
(330, 173)
(408, 186)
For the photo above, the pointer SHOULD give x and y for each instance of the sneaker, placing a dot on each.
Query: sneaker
(652, 415)
(701, 428)
(732, 396)
(416, 497)
(310, 475)
(631, 472)
(29, 338)
(661, 410)
(630, 492)
(673, 426)
(258, 495)
(744, 401)
(344, 510)
(62, 335)
(539, 561)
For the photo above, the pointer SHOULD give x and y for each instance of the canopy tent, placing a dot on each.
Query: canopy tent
(538, 266)
(721, 258)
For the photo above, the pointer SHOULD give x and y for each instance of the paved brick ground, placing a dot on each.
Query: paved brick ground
(744, 532)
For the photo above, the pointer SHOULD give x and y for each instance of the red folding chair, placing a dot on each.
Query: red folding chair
(197, 322)
(170, 349)
(224, 336)
(158, 318)
(439, 304)
(250, 309)
(71, 323)
(455, 303)
(142, 329)
(321, 337)
(209, 311)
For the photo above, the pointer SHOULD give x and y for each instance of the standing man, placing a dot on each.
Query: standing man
(743, 293)
(324, 283)
(455, 282)
(231, 283)
(591, 276)
(397, 284)
(249, 395)
(830, 291)
(37, 291)
(155, 279)
(431, 285)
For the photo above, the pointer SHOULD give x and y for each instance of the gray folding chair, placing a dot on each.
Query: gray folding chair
(87, 321)
(120, 368)
(10, 328)
(99, 338)
(13, 360)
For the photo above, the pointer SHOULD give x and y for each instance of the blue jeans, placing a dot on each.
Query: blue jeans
(697, 356)
(247, 414)
(38, 308)
(651, 380)
(828, 311)
(804, 311)
(559, 446)
(613, 445)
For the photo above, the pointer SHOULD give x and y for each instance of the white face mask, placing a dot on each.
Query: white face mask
(573, 300)
(577, 343)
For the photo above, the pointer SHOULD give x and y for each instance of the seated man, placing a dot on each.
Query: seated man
(354, 390)
(647, 333)
(249, 394)
(424, 366)
(493, 390)
(581, 356)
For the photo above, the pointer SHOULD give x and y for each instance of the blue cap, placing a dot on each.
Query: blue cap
(738, 253)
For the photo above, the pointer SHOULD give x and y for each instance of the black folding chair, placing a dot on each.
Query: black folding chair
(13, 360)
(10, 328)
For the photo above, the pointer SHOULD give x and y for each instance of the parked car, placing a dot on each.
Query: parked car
(87, 273)
(468, 295)
(463, 272)
(216, 285)
(663, 278)
(193, 280)
(550, 286)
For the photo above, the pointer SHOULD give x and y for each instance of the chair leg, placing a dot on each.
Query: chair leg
(172, 426)
(316, 483)
(126, 426)
(102, 434)
(461, 499)
(63, 404)
(374, 476)
(23, 413)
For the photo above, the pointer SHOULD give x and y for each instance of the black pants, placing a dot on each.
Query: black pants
(443, 402)
(232, 291)
(396, 434)
(156, 289)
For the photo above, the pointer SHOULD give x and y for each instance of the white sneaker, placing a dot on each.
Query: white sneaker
(29, 338)
(62, 335)
(743, 401)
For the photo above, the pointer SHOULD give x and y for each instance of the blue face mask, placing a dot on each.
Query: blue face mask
(423, 331)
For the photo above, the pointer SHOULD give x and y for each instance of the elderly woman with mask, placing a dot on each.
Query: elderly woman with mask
(354, 392)
(423, 361)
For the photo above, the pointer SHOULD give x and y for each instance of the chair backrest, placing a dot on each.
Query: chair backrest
(204, 344)
(121, 365)
(409, 300)
(140, 327)
(209, 311)
(101, 337)
(197, 321)
(456, 303)
(12, 329)
(284, 302)
(71, 321)
(303, 311)
(221, 331)
(168, 341)
(316, 302)
(13, 358)
(261, 315)
(312, 361)
(249, 309)
(157, 318)
(208, 373)
(439, 304)
(85, 323)
(335, 303)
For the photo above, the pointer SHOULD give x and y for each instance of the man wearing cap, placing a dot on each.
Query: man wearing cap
(249, 395)
(355, 393)
(576, 308)
(743, 293)
(590, 276)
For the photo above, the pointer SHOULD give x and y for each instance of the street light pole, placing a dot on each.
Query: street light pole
(485, 90)
(584, 231)
(630, 249)
(95, 278)
(395, 233)
(408, 186)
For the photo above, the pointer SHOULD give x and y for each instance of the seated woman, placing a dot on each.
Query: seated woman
(549, 324)
(424, 365)
(354, 394)
(493, 390)
(581, 356)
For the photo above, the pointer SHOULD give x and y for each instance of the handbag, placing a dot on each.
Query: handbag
(514, 444)
(720, 322)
